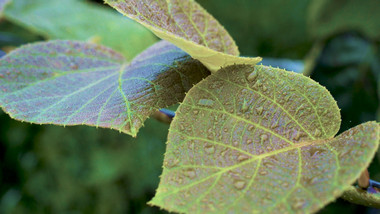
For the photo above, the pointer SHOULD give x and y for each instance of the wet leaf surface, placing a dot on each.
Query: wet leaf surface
(187, 25)
(271, 149)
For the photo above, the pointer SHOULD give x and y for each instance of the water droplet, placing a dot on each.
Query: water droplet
(210, 149)
(263, 172)
(264, 137)
(264, 88)
(274, 125)
(268, 164)
(171, 163)
(206, 102)
(181, 127)
(190, 173)
(250, 128)
(269, 148)
(314, 152)
(252, 76)
(242, 158)
(298, 136)
(298, 203)
(235, 143)
(225, 130)
(239, 184)
(259, 110)
(313, 180)
(317, 133)
(245, 106)
(249, 141)
(285, 184)
(195, 112)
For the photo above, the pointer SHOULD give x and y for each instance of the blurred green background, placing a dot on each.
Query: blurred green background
(49, 169)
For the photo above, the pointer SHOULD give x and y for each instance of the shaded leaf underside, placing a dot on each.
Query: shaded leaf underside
(263, 142)
(187, 25)
(69, 19)
(72, 83)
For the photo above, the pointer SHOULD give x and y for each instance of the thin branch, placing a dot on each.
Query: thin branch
(164, 116)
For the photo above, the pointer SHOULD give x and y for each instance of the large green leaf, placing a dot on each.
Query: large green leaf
(187, 25)
(70, 83)
(79, 20)
(263, 143)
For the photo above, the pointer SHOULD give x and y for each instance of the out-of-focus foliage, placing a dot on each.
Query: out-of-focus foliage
(77, 183)
(273, 28)
(349, 67)
(78, 169)
(79, 20)
(326, 18)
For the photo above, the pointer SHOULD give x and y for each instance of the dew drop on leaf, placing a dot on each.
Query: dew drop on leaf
(190, 173)
(239, 184)
(242, 158)
(264, 138)
(210, 149)
(259, 110)
(206, 102)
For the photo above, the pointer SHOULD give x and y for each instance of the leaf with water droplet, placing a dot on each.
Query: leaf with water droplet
(80, 20)
(187, 25)
(74, 83)
(269, 167)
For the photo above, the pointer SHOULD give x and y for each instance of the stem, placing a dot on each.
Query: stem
(164, 116)
(168, 113)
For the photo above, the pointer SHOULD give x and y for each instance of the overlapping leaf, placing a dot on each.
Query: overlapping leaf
(187, 25)
(79, 20)
(260, 140)
(70, 83)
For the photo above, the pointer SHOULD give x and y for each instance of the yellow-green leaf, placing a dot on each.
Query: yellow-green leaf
(260, 140)
(187, 25)
(357, 195)
(73, 83)
(80, 20)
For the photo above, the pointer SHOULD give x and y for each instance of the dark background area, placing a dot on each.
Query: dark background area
(50, 169)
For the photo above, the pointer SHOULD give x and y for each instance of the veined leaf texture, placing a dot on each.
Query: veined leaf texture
(187, 25)
(80, 20)
(73, 83)
(260, 140)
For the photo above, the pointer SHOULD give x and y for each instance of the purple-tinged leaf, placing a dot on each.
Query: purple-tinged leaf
(72, 83)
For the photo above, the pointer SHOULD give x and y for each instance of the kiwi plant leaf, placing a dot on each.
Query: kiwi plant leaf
(263, 143)
(80, 20)
(2, 5)
(72, 83)
(187, 25)
(357, 195)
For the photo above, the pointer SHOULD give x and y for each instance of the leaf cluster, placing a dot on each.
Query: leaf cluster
(246, 137)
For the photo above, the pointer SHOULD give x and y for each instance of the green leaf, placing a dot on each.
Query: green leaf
(187, 25)
(2, 5)
(358, 196)
(79, 20)
(72, 83)
(263, 143)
